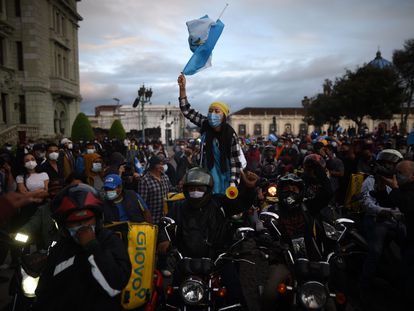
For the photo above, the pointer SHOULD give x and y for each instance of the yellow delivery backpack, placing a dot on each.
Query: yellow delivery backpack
(141, 239)
(352, 198)
(171, 199)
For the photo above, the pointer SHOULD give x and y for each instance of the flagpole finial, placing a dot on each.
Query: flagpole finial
(222, 12)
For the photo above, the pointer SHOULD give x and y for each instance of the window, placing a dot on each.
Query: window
(59, 61)
(303, 128)
(57, 22)
(4, 106)
(2, 51)
(62, 122)
(272, 128)
(17, 8)
(19, 50)
(242, 129)
(257, 129)
(288, 128)
(65, 67)
(22, 109)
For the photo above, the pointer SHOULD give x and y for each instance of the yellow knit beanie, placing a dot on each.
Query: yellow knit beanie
(222, 106)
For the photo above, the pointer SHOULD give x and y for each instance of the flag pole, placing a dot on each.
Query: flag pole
(222, 12)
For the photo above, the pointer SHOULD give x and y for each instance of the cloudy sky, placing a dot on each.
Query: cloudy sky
(271, 52)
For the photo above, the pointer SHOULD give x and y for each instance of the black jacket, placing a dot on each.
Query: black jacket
(89, 278)
(205, 232)
(403, 198)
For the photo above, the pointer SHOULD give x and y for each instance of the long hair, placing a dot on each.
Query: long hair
(224, 137)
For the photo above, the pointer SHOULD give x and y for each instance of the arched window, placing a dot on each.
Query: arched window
(257, 129)
(242, 130)
(288, 128)
(56, 122)
(303, 128)
(62, 122)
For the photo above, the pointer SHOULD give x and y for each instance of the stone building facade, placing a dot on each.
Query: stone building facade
(167, 118)
(262, 121)
(39, 68)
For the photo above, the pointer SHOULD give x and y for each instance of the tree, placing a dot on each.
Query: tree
(368, 92)
(117, 130)
(82, 129)
(323, 109)
(404, 63)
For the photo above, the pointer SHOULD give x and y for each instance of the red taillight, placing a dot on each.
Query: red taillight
(340, 298)
(281, 288)
(169, 290)
(222, 292)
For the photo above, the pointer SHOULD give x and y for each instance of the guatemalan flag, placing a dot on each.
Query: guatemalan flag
(203, 36)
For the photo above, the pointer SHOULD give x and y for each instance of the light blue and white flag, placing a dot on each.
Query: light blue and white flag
(203, 36)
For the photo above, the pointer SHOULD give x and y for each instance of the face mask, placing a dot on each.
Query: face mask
(165, 167)
(111, 195)
(196, 194)
(289, 198)
(96, 167)
(30, 165)
(90, 151)
(53, 156)
(70, 146)
(9, 148)
(214, 119)
(42, 155)
(402, 179)
(74, 230)
(303, 151)
(279, 144)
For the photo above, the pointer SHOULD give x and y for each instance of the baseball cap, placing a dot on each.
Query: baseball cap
(65, 141)
(112, 181)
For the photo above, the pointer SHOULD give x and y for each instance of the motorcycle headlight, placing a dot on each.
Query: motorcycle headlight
(272, 190)
(20, 237)
(29, 284)
(331, 232)
(313, 295)
(192, 291)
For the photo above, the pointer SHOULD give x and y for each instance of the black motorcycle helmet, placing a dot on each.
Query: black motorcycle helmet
(289, 198)
(200, 178)
(76, 201)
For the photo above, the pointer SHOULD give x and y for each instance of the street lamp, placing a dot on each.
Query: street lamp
(144, 96)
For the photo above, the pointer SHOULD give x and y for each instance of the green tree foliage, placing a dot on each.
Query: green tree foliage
(323, 109)
(368, 92)
(82, 129)
(117, 130)
(404, 63)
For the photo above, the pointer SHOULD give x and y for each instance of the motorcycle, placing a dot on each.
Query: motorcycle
(27, 273)
(197, 282)
(308, 285)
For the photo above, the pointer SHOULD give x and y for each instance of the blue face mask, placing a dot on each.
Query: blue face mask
(74, 230)
(214, 119)
(111, 195)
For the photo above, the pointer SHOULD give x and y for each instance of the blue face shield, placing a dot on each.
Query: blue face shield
(214, 119)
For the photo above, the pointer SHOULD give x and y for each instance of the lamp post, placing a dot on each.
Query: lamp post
(144, 96)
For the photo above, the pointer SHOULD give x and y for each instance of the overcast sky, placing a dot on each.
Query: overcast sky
(271, 52)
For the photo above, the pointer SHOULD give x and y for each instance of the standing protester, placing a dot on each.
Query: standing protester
(123, 204)
(402, 194)
(89, 265)
(222, 151)
(52, 166)
(153, 188)
(67, 156)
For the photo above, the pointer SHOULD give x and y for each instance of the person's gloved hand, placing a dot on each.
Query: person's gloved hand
(250, 179)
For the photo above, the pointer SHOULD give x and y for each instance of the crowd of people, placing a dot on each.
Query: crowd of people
(81, 185)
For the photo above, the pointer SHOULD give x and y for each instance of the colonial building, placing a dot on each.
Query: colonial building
(39, 68)
(167, 118)
(262, 121)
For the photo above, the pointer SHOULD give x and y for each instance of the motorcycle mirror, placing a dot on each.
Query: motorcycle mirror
(167, 221)
(344, 221)
(268, 216)
(242, 232)
(20, 237)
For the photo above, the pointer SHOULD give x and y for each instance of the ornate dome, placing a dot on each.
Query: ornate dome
(380, 62)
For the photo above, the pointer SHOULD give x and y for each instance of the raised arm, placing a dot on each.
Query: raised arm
(191, 114)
